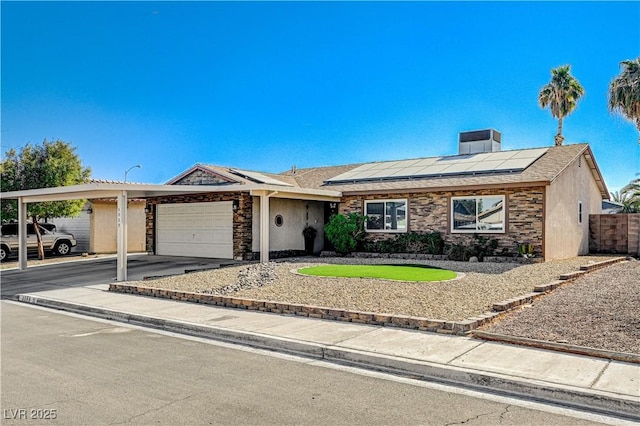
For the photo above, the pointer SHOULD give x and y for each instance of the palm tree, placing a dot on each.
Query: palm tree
(624, 91)
(560, 95)
(629, 197)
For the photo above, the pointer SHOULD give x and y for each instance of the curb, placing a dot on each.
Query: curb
(592, 400)
(560, 347)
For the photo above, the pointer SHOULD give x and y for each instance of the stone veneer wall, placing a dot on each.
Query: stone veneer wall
(200, 177)
(242, 218)
(430, 211)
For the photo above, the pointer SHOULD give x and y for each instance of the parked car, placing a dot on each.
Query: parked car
(52, 241)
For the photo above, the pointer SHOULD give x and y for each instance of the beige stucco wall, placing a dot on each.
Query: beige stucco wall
(294, 214)
(565, 237)
(104, 227)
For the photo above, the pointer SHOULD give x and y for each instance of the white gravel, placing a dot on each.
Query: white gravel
(483, 284)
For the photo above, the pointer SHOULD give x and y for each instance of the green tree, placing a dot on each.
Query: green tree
(629, 197)
(561, 96)
(48, 165)
(624, 91)
(345, 231)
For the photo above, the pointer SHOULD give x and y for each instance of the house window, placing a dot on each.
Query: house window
(483, 214)
(579, 211)
(386, 215)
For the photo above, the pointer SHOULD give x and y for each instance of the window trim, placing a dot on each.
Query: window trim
(478, 231)
(386, 200)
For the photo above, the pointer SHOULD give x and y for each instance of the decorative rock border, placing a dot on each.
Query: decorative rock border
(372, 318)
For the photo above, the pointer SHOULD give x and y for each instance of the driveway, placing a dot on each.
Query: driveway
(97, 271)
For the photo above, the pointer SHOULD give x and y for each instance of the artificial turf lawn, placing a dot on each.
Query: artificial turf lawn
(388, 272)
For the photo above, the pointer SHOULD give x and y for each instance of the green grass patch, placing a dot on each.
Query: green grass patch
(387, 272)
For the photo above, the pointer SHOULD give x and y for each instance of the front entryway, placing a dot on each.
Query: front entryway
(195, 229)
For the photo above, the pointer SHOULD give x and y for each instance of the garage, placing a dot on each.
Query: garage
(195, 229)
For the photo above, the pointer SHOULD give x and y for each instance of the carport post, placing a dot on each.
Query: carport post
(22, 234)
(122, 236)
(264, 227)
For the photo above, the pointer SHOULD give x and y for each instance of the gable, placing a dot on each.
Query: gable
(199, 176)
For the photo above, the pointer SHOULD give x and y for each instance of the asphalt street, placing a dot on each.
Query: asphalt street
(94, 372)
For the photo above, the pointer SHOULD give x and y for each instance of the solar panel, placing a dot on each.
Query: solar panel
(258, 177)
(486, 162)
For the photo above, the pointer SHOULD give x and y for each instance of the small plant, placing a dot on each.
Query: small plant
(525, 250)
(483, 246)
(479, 247)
(345, 232)
(309, 232)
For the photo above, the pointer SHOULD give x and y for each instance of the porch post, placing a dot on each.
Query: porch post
(22, 234)
(122, 236)
(264, 227)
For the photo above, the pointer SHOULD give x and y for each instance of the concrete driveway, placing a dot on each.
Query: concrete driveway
(97, 271)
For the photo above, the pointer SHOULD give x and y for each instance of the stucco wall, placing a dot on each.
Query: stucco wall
(103, 227)
(296, 214)
(566, 237)
(430, 211)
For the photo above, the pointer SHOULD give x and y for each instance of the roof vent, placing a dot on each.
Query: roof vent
(478, 141)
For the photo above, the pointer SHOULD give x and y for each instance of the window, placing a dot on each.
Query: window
(477, 214)
(386, 215)
(579, 211)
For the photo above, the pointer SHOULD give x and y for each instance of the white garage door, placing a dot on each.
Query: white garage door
(195, 229)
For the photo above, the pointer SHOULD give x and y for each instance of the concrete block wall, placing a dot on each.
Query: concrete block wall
(614, 233)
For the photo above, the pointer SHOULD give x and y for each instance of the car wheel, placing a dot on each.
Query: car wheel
(3, 253)
(62, 248)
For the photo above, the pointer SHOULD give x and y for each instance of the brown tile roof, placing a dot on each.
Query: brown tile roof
(543, 170)
(314, 177)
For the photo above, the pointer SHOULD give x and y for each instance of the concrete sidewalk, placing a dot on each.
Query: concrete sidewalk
(594, 384)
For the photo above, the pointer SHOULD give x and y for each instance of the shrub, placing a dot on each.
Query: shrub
(345, 232)
(412, 242)
(479, 247)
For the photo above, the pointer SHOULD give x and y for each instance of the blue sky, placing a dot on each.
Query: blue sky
(264, 86)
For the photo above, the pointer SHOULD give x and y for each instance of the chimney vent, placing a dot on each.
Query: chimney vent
(478, 141)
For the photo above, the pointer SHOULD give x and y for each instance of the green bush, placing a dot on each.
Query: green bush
(412, 242)
(345, 232)
(479, 247)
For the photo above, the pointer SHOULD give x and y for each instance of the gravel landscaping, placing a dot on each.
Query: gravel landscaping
(480, 285)
(600, 310)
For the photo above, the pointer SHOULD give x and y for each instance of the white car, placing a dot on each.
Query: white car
(52, 241)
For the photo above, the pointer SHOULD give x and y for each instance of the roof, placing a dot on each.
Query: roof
(511, 168)
(544, 170)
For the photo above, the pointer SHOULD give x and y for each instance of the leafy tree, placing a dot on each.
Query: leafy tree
(560, 95)
(345, 231)
(629, 197)
(48, 165)
(624, 91)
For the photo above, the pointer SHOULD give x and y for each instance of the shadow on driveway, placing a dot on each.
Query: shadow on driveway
(98, 271)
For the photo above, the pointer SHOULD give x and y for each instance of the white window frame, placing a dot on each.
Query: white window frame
(384, 209)
(479, 231)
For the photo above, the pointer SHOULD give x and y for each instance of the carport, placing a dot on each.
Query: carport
(123, 191)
